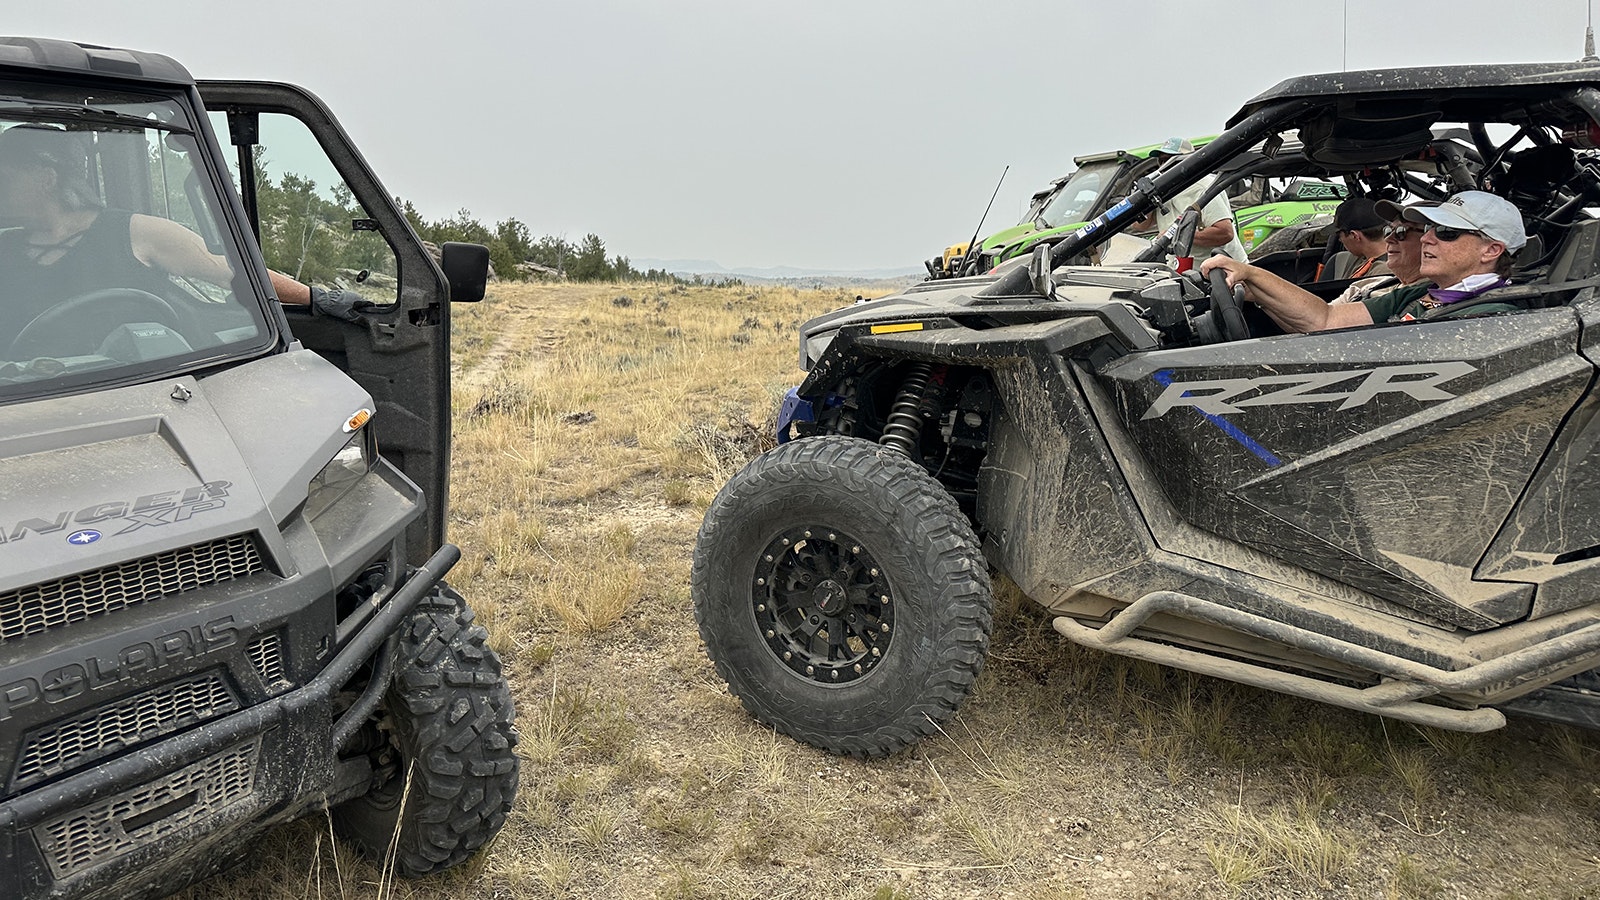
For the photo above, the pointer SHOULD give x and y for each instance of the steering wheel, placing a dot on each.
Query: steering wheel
(1225, 308)
(60, 329)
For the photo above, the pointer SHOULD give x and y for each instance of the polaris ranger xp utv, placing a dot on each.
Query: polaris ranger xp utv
(1399, 518)
(222, 519)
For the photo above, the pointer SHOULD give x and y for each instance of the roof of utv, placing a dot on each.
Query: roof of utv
(1505, 81)
(87, 59)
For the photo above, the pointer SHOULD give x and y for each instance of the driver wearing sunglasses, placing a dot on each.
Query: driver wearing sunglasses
(1466, 247)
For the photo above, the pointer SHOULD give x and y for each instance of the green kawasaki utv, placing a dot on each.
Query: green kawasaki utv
(1261, 206)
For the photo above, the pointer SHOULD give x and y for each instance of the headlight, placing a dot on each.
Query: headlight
(814, 347)
(341, 473)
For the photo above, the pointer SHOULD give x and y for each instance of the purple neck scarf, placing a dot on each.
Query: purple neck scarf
(1446, 296)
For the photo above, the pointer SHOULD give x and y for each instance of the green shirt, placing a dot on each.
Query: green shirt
(1405, 304)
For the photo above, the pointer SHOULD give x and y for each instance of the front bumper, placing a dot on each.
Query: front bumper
(145, 821)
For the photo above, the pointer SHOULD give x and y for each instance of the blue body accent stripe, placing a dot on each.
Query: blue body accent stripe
(1164, 378)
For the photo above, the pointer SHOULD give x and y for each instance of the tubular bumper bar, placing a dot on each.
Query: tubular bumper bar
(1408, 681)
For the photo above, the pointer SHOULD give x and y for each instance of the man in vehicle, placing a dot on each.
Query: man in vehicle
(62, 241)
(1466, 246)
(1215, 229)
(1403, 260)
(1360, 231)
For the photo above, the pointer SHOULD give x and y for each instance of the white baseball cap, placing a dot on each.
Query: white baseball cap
(1490, 215)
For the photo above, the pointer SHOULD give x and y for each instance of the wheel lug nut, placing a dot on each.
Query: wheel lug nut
(786, 542)
(884, 599)
(761, 581)
(771, 633)
(808, 534)
(856, 549)
(811, 670)
(832, 536)
(884, 628)
(857, 668)
(787, 656)
(835, 674)
(875, 652)
(769, 557)
(761, 607)
(874, 573)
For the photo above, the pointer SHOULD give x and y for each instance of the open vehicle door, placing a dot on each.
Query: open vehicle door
(322, 218)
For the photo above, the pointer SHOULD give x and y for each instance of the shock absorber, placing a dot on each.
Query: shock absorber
(903, 430)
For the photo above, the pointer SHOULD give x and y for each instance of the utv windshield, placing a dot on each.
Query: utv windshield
(113, 261)
(1075, 200)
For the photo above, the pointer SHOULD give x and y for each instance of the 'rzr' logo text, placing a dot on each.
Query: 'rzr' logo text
(1230, 395)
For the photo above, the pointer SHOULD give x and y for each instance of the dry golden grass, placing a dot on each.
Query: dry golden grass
(592, 431)
(1248, 845)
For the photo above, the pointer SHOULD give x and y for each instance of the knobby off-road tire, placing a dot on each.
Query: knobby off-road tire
(449, 719)
(841, 594)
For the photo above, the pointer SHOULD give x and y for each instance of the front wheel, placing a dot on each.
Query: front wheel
(448, 770)
(841, 594)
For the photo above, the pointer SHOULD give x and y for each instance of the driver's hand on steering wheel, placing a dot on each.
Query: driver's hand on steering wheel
(1238, 272)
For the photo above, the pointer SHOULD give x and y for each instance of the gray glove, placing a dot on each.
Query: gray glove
(346, 305)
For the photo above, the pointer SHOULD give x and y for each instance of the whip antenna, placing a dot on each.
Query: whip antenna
(1588, 34)
(973, 244)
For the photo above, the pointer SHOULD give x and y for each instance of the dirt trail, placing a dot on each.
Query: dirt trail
(519, 336)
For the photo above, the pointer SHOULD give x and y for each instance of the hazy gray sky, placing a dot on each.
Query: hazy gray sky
(822, 134)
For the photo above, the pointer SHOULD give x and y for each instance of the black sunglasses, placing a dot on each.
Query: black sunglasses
(1398, 233)
(1446, 233)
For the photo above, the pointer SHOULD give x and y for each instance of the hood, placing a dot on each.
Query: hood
(1006, 236)
(97, 479)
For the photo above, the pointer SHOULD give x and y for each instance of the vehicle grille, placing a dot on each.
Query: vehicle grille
(266, 653)
(52, 604)
(98, 733)
(96, 834)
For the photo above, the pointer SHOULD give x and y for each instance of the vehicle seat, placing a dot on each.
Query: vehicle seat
(1531, 261)
(1578, 255)
(1541, 274)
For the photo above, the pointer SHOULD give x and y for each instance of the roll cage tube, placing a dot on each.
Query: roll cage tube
(1158, 247)
(1147, 193)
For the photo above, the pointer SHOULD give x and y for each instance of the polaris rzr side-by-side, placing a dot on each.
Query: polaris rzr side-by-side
(1396, 518)
(222, 518)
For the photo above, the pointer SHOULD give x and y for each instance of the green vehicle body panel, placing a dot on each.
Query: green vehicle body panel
(1254, 224)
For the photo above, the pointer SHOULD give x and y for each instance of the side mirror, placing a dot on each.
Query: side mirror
(1039, 271)
(466, 267)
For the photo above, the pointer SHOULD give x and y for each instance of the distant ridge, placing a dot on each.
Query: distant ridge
(704, 267)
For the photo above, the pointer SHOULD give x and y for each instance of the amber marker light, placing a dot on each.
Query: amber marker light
(356, 421)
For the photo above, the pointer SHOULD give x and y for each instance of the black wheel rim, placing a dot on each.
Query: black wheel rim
(823, 605)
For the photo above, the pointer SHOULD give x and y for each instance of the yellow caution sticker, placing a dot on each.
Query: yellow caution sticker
(897, 327)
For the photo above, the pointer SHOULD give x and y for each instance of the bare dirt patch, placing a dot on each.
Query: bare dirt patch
(1069, 774)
